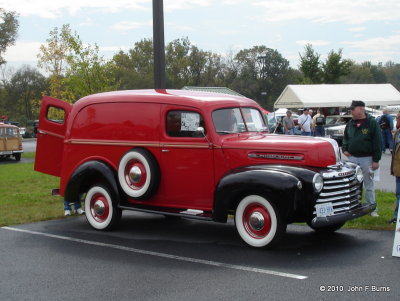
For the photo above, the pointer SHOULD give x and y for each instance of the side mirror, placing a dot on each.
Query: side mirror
(200, 130)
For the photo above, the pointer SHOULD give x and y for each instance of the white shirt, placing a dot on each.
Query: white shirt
(305, 122)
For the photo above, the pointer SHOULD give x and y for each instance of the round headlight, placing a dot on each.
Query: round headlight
(359, 174)
(318, 183)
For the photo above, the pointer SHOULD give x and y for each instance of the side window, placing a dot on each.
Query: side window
(11, 132)
(183, 123)
(55, 114)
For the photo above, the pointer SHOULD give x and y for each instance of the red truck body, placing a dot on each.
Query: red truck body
(168, 151)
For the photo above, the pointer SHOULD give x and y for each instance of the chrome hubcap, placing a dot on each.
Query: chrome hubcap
(135, 174)
(99, 208)
(257, 221)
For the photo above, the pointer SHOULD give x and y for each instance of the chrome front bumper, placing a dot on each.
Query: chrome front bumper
(342, 217)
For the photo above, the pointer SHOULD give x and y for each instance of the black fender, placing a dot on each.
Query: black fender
(281, 187)
(86, 175)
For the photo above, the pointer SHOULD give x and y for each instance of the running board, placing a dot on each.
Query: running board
(186, 213)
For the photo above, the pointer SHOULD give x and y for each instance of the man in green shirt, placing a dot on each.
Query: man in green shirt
(362, 145)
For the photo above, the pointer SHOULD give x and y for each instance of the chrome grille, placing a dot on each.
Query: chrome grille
(342, 189)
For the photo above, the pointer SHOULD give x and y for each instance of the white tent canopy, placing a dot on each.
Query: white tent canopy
(300, 96)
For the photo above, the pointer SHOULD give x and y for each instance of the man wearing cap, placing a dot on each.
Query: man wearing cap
(362, 145)
(305, 123)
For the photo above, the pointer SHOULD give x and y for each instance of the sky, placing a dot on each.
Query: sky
(365, 30)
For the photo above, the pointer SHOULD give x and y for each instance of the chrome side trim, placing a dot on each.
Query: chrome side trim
(51, 134)
(275, 156)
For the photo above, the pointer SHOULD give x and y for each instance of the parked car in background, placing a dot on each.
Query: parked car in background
(22, 132)
(335, 120)
(336, 132)
(10, 141)
(335, 125)
(35, 128)
(275, 122)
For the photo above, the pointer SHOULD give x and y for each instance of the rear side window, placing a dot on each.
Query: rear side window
(10, 132)
(55, 114)
(184, 123)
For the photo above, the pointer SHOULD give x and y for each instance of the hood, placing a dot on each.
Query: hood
(280, 149)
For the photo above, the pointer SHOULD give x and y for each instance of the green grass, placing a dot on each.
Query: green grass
(386, 204)
(25, 197)
(28, 155)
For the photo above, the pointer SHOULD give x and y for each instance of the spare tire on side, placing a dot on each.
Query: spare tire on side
(139, 174)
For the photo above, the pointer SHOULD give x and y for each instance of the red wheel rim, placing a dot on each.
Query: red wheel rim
(99, 207)
(135, 174)
(256, 221)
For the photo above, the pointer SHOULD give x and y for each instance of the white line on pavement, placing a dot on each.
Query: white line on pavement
(163, 255)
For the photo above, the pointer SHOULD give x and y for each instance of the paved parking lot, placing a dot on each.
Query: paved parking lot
(152, 258)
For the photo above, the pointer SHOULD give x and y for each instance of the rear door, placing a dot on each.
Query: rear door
(12, 139)
(51, 134)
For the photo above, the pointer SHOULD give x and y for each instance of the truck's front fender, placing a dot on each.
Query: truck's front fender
(281, 187)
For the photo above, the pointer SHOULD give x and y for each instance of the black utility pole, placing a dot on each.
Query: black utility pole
(158, 45)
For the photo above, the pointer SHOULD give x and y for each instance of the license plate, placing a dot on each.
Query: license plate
(323, 210)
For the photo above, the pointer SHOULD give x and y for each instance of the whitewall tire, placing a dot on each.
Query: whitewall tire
(99, 209)
(138, 174)
(257, 221)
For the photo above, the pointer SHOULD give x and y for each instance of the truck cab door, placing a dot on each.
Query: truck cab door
(187, 161)
(51, 134)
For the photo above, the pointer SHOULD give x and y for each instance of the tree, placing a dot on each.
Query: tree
(75, 70)
(310, 66)
(335, 67)
(187, 65)
(134, 69)
(23, 93)
(392, 73)
(261, 69)
(87, 72)
(359, 74)
(53, 59)
(366, 73)
(8, 31)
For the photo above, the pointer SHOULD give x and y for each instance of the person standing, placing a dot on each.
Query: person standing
(395, 167)
(77, 207)
(362, 143)
(288, 123)
(318, 122)
(304, 122)
(386, 124)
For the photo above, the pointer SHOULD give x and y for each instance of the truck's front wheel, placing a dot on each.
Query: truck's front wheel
(101, 212)
(258, 222)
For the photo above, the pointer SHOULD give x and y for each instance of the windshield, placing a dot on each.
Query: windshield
(236, 120)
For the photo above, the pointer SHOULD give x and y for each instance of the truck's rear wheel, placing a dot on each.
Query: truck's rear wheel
(258, 222)
(101, 212)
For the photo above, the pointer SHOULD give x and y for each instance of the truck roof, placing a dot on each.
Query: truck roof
(179, 97)
(7, 125)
